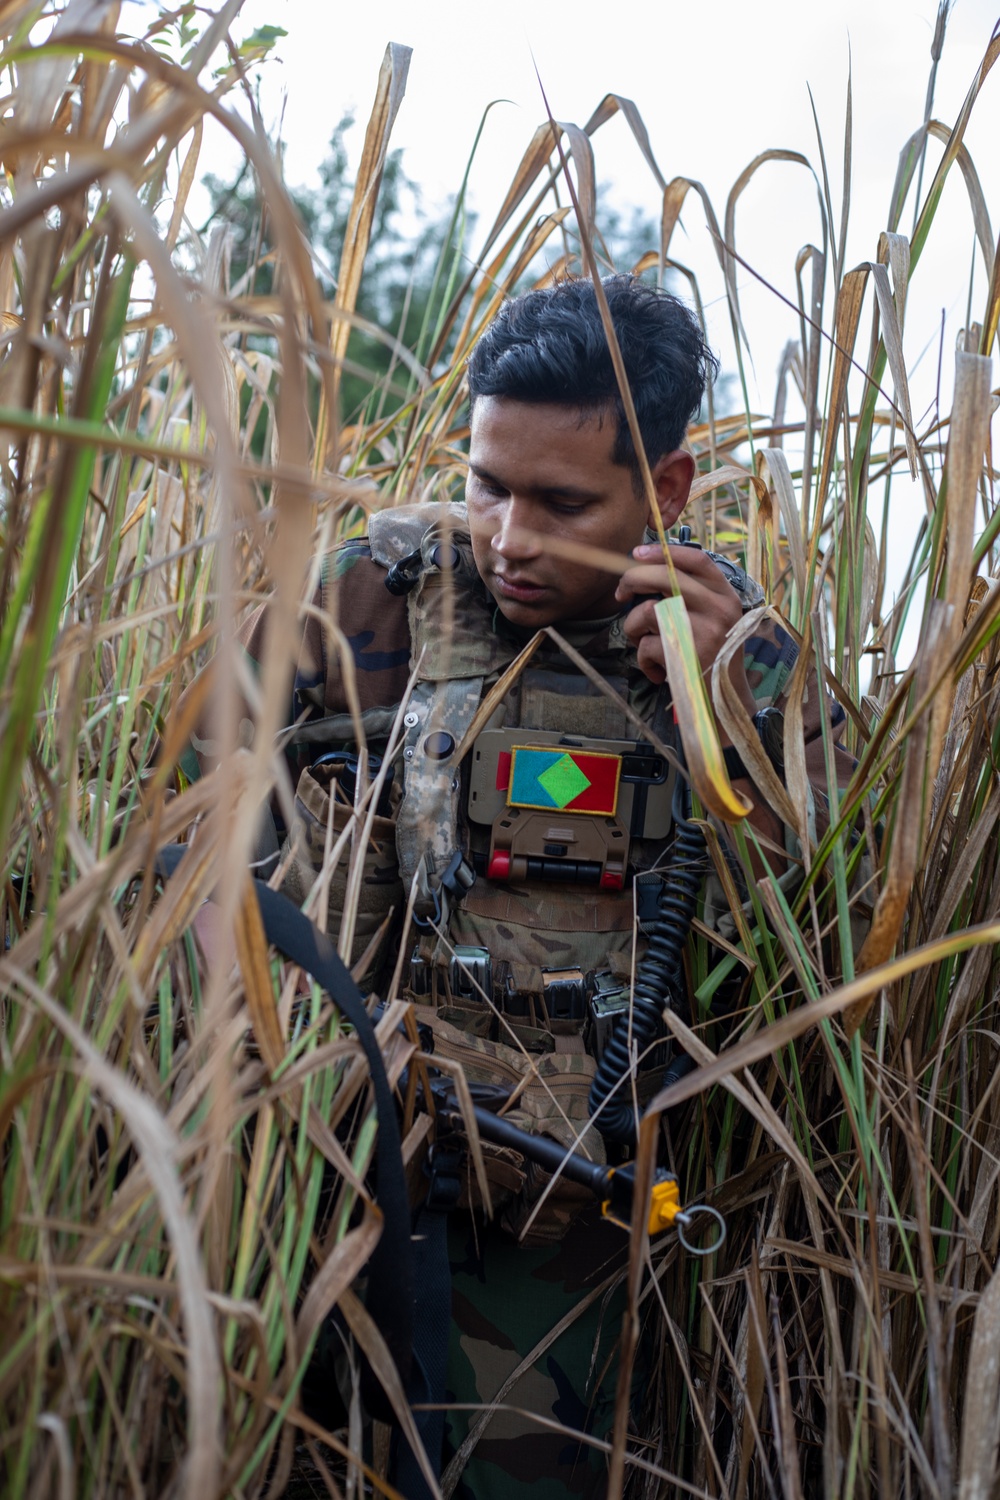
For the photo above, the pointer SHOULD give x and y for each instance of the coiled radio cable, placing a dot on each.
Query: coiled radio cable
(659, 978)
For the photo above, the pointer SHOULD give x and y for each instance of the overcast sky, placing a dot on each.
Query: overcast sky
(716, 83)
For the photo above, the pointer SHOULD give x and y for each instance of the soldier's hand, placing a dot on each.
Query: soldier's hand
(713, 605)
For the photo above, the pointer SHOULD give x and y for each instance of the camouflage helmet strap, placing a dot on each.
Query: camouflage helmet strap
(436, 718)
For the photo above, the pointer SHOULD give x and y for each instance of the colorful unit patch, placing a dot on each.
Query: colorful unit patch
(578, 781)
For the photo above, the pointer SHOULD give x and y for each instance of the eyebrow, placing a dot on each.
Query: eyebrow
(544, 492)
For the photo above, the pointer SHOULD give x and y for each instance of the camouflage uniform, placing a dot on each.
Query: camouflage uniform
(506, 1300)
(506, 1297)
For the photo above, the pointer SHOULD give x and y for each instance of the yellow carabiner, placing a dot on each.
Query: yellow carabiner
(665, 1204)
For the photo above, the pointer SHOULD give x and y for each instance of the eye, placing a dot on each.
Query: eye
(488, 486)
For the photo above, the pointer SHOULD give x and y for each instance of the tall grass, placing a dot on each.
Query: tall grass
(178, 1178)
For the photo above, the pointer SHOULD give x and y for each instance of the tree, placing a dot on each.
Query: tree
(403, 287)
(415, 260)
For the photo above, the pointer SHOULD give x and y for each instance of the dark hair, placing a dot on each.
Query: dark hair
(549, 346)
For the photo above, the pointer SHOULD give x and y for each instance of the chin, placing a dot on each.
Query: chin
(528, 615)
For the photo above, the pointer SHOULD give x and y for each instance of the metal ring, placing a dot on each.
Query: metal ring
(685, 1219)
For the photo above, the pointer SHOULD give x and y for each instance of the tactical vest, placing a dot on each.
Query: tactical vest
(514, 963)
(461, 651)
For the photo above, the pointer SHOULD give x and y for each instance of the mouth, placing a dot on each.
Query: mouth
(518, 590)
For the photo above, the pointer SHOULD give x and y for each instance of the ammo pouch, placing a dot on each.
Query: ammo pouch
(550, 1092)
(380, 891)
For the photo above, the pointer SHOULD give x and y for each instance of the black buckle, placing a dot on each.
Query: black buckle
(443, 1170)
(456, 880)
(403, 574)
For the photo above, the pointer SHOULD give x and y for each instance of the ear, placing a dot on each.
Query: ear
(672, 476)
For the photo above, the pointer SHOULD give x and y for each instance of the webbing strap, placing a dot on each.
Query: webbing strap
(438, 715)
(430, 1340)
(389, 1298)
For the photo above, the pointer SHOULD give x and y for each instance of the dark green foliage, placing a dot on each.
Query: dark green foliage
(403, 285)
(416, 261)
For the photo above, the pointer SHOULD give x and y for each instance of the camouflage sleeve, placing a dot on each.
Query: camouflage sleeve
(351, 594)
(769, 658)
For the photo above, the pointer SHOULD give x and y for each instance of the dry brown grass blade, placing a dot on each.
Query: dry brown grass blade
(755, 1374)
(533, 162)
(936, 1353)
(497, 694)
(715, 479)
(977, 200)
(608, 106)
(388, 97)
(788, 1469)
(638, 1256)
(869, 591)
(980, 1433)
(992, 318)
(914, 797)
(796, 777)
(781, 1032)
(847, 317)
(811, 339)
(255, 967)
(364, 1330)
(135, 854)
(673, 202)
(967, 441)
(159, 1151)
(969, 426)
(337, 1273)
(892, 338)
(773, 468)
(894, 251)
(582, 156)
(735, 192)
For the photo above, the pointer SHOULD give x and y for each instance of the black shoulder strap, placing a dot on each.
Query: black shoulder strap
(390, 1270)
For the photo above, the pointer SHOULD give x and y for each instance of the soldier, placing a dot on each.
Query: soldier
(527, 817)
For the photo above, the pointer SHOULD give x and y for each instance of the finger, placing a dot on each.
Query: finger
(651, 575)
(709, 628)
(649, 656)
(699, 593)
(640, 622)
(684, 559)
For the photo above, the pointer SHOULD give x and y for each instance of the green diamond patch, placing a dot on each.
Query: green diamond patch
(564, 781)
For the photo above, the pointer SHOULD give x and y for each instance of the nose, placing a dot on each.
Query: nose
(513, 538)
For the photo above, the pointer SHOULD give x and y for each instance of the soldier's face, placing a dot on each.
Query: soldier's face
(544, 472)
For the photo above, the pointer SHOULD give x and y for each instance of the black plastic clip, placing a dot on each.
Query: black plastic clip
(443, 1170)
(456, 880)
(402, 576)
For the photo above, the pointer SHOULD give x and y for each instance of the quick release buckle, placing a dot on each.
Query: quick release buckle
(458, 878)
